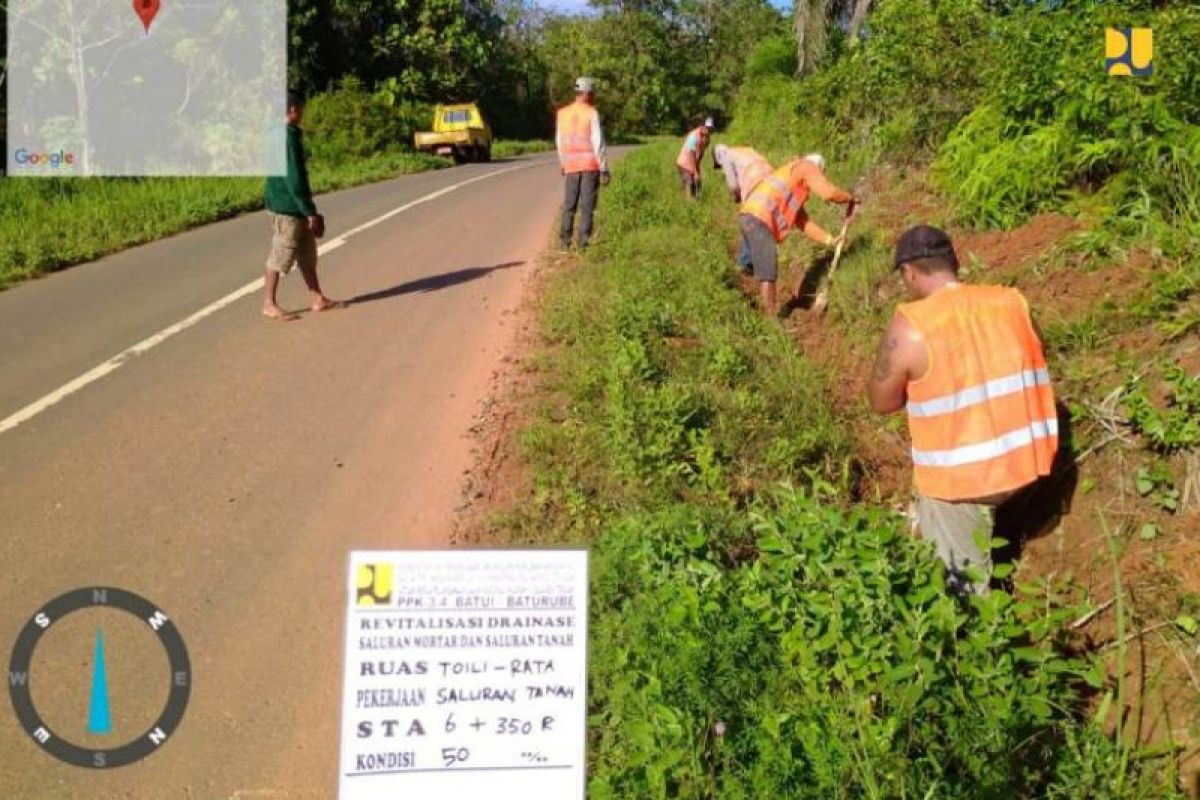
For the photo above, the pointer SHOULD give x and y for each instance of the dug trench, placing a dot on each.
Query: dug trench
(1086, 535)
(1093, 528)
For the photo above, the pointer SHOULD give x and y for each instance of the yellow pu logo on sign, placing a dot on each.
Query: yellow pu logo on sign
(1129, 51)
(375, 584)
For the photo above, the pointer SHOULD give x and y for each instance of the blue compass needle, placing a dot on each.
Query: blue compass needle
(99, 715)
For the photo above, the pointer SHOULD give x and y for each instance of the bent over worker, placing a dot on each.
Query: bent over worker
(744, 169)
(582, 155)
(967, 363)
(691, 156)
(776, 206)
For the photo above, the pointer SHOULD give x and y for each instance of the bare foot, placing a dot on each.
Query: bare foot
(277, 313)
(325, 304)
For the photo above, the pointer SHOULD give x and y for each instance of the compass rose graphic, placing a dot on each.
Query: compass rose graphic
(153, 624)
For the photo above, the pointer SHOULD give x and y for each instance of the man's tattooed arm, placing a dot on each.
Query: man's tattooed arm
(884, 358)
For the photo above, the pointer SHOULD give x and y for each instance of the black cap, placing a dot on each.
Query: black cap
(924, 241)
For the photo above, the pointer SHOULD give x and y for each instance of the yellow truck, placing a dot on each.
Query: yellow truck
(459, 131)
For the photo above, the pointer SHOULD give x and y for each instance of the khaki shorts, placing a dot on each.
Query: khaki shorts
(962, 534)
(292, 243)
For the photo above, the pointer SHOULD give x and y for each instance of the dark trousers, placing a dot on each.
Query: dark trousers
(581, 191)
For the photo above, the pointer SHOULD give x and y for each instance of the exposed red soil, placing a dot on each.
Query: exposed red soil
(899, 197)
(498, 480)
(1004, 250)
(1165, 694)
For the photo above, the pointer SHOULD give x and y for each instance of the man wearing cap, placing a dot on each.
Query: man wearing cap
(776, 206)
(582, 155)
(967, 363)
(691, 156)
(744, 169)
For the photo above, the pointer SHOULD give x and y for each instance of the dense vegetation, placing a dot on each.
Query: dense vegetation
(1011, 101)
(754, 634)
(758, 632)
(659, 63)
(818, 639)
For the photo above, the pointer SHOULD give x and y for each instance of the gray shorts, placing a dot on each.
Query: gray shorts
(962, 535)
(764, 253)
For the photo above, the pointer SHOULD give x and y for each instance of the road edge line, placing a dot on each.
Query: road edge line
(111, 365)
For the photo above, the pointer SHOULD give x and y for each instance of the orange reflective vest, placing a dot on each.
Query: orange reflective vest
(778, 200)
(576, 151)
(982, 418)
(751, 167)
(686, 160)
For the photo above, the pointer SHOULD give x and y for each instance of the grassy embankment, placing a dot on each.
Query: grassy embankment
(511, 148)
(758, 629)
(703, 456)
(1083, 191)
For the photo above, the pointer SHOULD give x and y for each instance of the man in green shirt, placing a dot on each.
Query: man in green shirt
(295, 223)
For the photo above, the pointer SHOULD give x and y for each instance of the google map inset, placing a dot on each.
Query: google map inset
(152, 87)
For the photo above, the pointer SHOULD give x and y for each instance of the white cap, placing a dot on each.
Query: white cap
(719, 154)
(709, 123)
(817, 159)
(584, 84)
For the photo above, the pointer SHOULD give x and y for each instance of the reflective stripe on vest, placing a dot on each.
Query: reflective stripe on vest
(575, 128)
(778, 200)
(992, 390)
(983, 419)
(985, 451)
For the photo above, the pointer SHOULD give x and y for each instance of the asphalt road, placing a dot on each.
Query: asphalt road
(224, 471)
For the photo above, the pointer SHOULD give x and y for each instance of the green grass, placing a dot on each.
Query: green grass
(688, 441)
(50, 223)
(510, 148)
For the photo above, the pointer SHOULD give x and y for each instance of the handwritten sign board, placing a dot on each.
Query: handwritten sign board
(465, 675)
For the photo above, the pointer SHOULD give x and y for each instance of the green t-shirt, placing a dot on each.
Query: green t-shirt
(291, 194)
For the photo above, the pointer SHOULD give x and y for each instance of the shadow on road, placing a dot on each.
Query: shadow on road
(434, 283)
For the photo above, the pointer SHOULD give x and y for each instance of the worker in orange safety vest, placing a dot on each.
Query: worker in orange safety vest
(744, 169)
(968, 365)
(776, 206)
(582, 156)
(691, 156)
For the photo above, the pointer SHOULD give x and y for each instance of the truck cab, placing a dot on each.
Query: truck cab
(459, 131)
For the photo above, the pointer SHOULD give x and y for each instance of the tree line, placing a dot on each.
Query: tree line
(660, 64)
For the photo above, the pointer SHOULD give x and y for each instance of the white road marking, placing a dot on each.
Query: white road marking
(111, 365)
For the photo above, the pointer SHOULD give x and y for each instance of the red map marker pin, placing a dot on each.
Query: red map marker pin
(147, 10)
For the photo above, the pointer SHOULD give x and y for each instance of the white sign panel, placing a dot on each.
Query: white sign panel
(465, 675)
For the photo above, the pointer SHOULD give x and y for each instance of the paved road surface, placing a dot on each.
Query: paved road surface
(226, 471)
